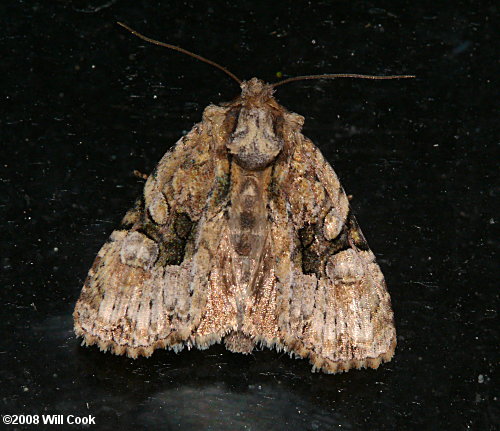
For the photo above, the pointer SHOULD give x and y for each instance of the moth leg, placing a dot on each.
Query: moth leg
(140, 175)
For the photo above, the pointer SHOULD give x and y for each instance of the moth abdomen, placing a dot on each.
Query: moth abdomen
(244, 235)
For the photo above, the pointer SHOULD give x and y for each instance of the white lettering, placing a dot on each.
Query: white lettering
(80, 420)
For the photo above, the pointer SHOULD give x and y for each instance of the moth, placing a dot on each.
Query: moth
(243, 235)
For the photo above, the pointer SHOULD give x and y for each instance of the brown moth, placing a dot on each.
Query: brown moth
(244, 235)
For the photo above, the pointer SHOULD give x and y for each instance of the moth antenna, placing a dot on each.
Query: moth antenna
(339, 75)
(179, 49)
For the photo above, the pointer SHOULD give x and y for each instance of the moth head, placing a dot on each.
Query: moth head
(256, 91)
(257, 139)
(256, 142)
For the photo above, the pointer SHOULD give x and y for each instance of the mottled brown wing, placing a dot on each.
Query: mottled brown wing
(154, 283)
(331, 303)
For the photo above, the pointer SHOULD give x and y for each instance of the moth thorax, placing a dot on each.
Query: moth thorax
(254, 144)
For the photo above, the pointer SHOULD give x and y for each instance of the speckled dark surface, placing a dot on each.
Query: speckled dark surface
(84, 104)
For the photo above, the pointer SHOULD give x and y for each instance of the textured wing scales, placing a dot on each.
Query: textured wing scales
(127, 304)
(332, 304)
(169, 276)
(154, 283)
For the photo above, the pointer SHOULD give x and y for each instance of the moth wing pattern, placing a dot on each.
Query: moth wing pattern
(152, 283)
(331, 303)
(243, 235)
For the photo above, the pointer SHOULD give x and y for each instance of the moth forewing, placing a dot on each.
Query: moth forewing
(244, 235)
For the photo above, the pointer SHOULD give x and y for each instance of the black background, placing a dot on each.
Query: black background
(85, 103)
